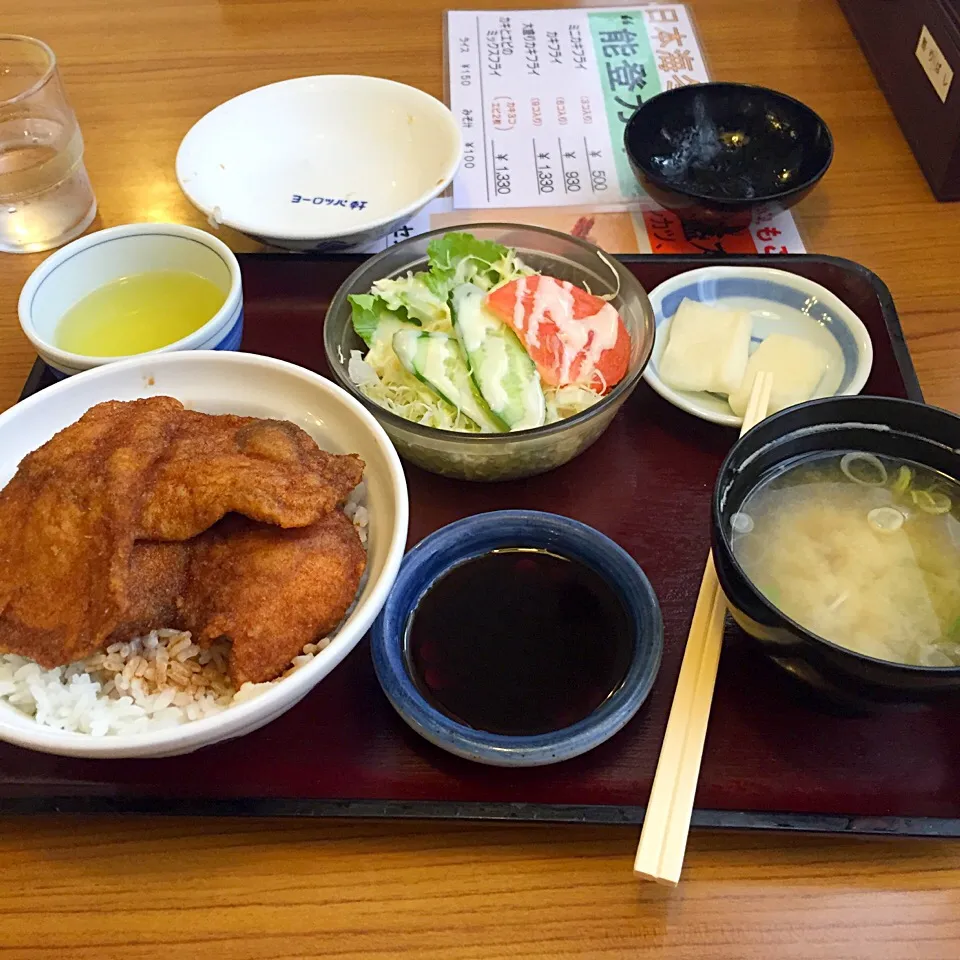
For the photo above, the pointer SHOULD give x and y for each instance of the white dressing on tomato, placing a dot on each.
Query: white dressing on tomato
(603, 328)
(585, 339)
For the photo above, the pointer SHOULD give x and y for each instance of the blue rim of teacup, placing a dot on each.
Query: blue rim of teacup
(220, 329)
(474, 536)
(714, 283)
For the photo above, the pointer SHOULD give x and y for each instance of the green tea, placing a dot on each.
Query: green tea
(135, 314)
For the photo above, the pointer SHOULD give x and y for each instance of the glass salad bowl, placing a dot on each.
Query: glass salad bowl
(518, 453)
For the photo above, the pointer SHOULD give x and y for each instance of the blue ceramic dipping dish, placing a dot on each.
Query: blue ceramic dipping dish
(472, 537)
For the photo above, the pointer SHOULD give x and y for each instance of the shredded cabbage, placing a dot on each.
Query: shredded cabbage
(407, 397)
(563, 402)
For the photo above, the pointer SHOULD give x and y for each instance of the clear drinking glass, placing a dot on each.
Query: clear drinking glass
(45, 195)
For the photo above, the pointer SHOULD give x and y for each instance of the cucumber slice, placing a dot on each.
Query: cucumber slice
(381, 355)
(436, 360)
(502, 370)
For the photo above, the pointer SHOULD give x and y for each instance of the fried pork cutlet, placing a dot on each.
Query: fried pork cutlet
(156, 580)
(267, 470)
(270, 591)
(71, 577)
(67, 525)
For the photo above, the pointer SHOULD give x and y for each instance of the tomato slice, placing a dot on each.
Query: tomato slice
(571, 335)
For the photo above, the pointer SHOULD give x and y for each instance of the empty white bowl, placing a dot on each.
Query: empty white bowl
(319, 162)
(97, 259)
(250, 385)
(778, 302)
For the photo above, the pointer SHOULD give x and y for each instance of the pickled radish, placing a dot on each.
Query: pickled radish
(571, 335)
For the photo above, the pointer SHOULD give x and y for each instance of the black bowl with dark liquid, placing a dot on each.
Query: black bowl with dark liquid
(712, 152)
(901, 429)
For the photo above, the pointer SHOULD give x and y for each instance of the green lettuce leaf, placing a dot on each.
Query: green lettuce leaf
(367, 311)
(457, 258)
(450, 250)
(363, 315)
(412, 298)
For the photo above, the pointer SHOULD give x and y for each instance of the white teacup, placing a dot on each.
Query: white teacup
(93, 261)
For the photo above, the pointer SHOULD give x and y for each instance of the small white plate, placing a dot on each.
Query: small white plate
(320, 162)
(779, 302)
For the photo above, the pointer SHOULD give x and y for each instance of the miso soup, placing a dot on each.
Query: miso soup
(861, 550)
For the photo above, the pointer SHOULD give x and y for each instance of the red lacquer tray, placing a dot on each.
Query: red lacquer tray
(773, 758)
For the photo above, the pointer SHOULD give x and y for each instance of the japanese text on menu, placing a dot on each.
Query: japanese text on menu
(542, 98)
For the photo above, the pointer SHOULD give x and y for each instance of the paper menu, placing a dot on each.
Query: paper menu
(542, 97)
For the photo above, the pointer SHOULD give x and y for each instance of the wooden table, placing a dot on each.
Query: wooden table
(139, 73)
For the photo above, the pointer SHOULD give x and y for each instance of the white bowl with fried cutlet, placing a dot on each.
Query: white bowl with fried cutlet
(173, 688)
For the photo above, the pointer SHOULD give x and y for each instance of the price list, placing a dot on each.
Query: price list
(542, 98)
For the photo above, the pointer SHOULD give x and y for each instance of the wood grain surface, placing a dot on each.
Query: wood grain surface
(139, 73)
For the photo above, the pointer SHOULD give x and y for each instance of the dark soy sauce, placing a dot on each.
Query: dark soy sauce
(519, 642)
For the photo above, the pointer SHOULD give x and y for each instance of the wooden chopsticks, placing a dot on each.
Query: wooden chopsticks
(663, 839)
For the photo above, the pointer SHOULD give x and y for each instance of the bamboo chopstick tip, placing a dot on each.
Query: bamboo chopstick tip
(758, 406)
(654, 878)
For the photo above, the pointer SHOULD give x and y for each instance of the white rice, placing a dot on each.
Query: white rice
(150, 683)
